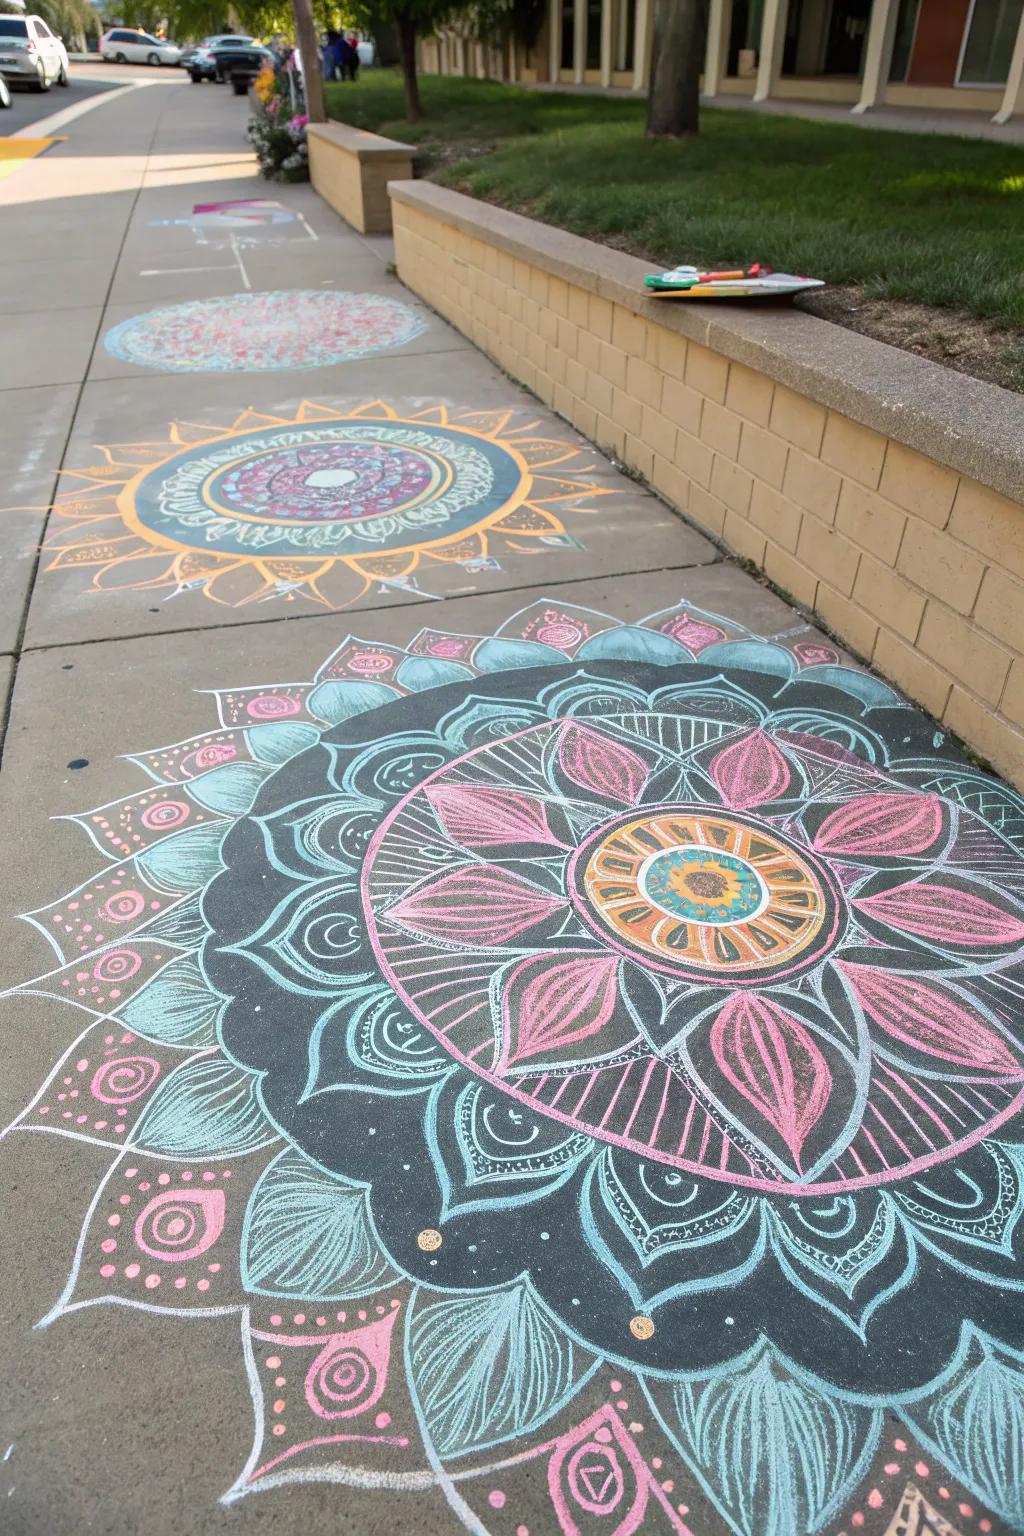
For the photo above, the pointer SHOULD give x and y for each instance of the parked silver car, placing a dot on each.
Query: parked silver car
(123, 45)
(31, 54)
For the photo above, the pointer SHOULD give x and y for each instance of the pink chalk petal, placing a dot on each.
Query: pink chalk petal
(944, 913)
(550, 1003)
(489, 818)
(350, 1373)
(775, 1063)
(750, 771)
(479, 904)
(884, 825)
(930, 1018)
(597, 763)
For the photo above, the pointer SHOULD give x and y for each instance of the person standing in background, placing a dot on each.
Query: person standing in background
(353, 56)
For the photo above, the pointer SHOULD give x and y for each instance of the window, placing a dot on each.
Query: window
(991, 34)
(568, 34)
(903, 42)
(42, 30)
(13, 26)
(593, 60)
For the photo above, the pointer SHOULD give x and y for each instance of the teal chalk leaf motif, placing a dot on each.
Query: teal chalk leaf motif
(309, 1234)
(776, 1452)
(229, 789)
(185, 861)
(974, 1423)
(280, 740)
(206, 1108)
(490, 1366)
(177, 1007)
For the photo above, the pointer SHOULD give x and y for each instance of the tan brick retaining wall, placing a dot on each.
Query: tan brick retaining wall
(881, 491)
(351, 169)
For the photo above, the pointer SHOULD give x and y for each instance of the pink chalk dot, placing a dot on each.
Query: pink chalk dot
(81, 1119)
(858, 1518)
(379, 1311)
(899, 1445)
(119, 1128)
(44, 1109)
(108, 1244)
(967, 1510)
(66, 1115)
(99, 1125)
(920, 1468)
(163, 1178)
(362, 1316)
(114, 1221)
(622, 1405)
(278, 1429)
(668, 1485)
(321, 1322)
(180, 1283)
(615, 1386)
(875, 1499)
(81, 1066)
(186, 1177)
(106, 1270)
(984, 1525)
(208, 1176)
(496, 1499)
(382, 1420)
(602, 1433)
(891, 1468)
(124, 1199)
(152, 1281)
(131, 1270)
(300, 1318)
(943, 1493)
(214, 1269)
(279, 1405)
(522, 1530)
(273, 1361)
(279, 1381)
(341, 1317)
(275, 1320)
(202, 1285)
(145, 1184)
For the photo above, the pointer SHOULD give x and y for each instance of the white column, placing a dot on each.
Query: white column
(642, 44)
(579, 40)
(555, 40)
(773, 39)
(622, 33)
(716, 57)
(608, 19)
(1013, 96)
(460, 56)
(878, 54)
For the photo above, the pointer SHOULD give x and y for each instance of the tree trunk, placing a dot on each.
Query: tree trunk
(385, 40)
(407, 44)
(673, 105)
(309, 48)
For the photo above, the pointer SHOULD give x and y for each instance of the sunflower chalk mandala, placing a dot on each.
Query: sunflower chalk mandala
(588, 1057)
(319, 507)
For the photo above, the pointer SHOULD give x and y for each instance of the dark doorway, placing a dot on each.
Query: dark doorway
(847, 33)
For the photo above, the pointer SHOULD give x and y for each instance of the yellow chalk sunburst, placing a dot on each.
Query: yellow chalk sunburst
(320, 505)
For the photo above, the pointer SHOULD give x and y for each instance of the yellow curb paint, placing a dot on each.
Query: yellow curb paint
(15, 152)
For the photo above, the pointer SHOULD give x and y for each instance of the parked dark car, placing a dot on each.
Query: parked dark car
(219, 40)
(238, 62)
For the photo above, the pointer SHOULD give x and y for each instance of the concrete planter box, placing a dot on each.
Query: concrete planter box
(882, 491)
(351, 170)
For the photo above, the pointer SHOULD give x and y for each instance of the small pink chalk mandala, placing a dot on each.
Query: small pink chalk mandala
(264, 332)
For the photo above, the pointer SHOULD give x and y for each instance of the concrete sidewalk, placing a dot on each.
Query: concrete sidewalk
(256, 492)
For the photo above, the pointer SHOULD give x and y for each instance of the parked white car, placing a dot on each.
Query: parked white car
(122, 45)
(31, 54)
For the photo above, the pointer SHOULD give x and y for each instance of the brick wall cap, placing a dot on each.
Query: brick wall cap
(358, 142)
(972, 427)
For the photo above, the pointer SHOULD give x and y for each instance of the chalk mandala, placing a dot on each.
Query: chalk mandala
(551, 1040)
(264, 332)
(321, 506)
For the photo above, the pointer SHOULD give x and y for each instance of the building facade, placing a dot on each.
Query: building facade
(938, 54)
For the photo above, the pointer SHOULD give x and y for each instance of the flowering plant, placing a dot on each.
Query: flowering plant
(279, 142)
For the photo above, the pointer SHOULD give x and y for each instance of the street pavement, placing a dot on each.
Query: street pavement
(165, 554)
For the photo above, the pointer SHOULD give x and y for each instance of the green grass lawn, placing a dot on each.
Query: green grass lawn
(926, 219)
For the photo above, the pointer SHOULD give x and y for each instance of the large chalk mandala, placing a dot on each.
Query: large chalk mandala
(321, 506)
(558, 1039)
(264, 332)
